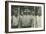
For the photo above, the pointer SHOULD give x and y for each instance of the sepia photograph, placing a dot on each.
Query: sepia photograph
(24, 16)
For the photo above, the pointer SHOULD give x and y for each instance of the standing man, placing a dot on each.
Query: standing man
(39, 17)
(26, 21)
(15, 18)
(33, 18)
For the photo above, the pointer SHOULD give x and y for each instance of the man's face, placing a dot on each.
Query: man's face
(15, 12)
(33, 12)
(25, 12)
(21, 13)
(39, 13)
(28, 12)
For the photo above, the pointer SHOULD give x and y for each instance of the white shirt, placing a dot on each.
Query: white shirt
(15, 20)
(38, 21)
(26, 20)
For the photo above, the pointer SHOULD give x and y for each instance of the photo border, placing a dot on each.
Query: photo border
(7, 16)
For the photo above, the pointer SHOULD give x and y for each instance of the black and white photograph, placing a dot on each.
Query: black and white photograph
(24, 16)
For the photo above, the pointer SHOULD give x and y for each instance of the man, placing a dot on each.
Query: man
(15, 18)
(26, 19)
(39, 17)
(20, 18)
(33, 20)
(29, 18)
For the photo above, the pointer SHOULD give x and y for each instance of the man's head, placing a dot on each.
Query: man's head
(25, 12)
(32, 12)
(21, 12)
(15, 11)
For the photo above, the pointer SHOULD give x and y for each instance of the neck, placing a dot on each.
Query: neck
(15, 15)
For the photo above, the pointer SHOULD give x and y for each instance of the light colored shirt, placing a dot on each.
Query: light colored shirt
(33, 21)
(26, 20)
(15, 20)
(38, 21)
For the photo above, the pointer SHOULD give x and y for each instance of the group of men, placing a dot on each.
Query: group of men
(26, 18)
